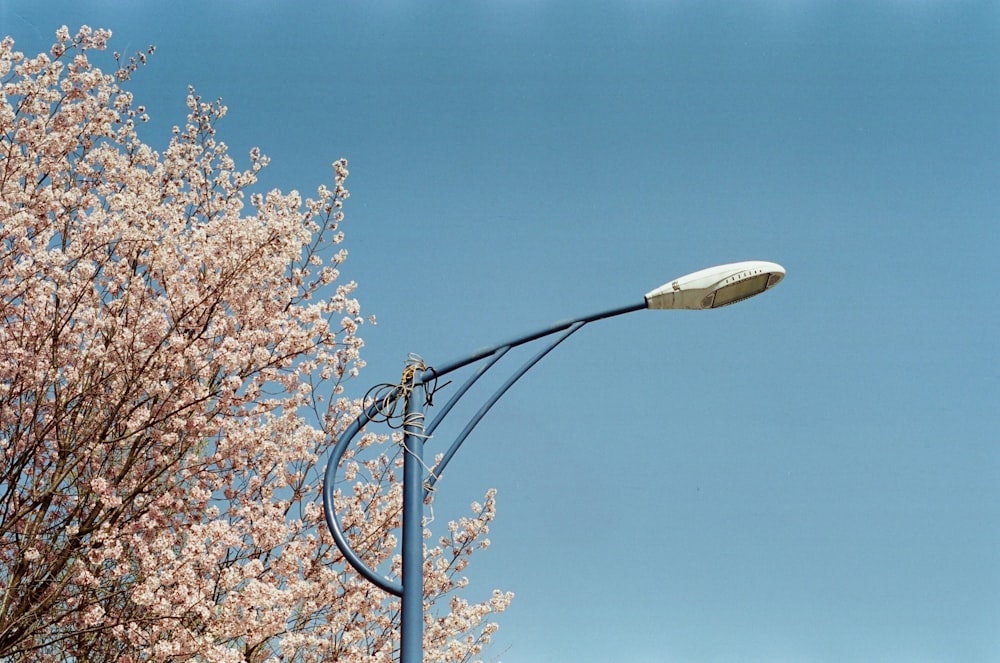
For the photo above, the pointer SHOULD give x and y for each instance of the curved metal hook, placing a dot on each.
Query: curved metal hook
(330, 512)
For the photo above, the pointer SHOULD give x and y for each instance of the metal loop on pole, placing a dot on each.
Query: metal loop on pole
(333, 520)
(385, 400)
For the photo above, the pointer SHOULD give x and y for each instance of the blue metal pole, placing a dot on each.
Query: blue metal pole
(411, 641)
(411, 589)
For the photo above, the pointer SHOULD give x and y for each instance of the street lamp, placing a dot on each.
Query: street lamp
(705, 289)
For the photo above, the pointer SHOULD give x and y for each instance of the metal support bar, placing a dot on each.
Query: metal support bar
(410, 590)
(440, 371)
(453, 449)
(330, 511)
(411, 639)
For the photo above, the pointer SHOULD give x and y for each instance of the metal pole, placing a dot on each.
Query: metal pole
(411, 641)
(411, 589)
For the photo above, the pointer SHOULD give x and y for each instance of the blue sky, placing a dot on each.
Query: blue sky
(813, 475)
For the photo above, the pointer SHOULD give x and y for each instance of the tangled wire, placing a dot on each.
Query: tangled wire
(389, 400)
(386, 399)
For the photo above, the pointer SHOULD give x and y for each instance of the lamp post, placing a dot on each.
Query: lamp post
(709, 288)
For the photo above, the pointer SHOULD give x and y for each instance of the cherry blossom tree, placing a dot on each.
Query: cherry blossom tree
(173, 352)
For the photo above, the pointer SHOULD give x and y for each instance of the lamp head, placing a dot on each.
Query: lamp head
(717, 286)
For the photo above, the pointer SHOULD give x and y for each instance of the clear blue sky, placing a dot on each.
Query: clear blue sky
(813, 475)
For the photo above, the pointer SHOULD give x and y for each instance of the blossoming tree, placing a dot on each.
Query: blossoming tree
(172, 355)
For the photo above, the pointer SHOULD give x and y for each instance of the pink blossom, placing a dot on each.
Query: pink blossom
(159, 397)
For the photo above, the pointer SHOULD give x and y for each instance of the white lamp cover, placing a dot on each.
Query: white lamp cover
(717, 286)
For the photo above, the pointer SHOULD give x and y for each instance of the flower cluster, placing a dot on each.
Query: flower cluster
(172, 352)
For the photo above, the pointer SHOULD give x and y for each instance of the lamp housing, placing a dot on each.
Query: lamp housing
(717, 286)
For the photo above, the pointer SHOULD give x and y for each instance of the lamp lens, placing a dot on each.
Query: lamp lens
(737, 292)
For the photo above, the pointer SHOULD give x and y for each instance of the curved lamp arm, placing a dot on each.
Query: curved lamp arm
(708, 288)
(494, 353)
